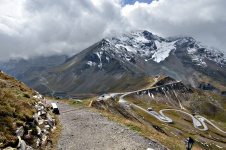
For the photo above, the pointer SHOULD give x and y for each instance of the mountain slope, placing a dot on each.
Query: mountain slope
(124, 58)
(15, 107)
(28, 70)
(26, 121)
(169, 95)
(114, 63)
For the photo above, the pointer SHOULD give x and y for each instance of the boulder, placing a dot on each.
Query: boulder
(28, 135)
(20, 131)
(38, 141)
(21, 145)
(39, 131)
(44, 140)
(29, 148)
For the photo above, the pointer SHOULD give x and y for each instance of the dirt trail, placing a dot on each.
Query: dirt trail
(83, 129)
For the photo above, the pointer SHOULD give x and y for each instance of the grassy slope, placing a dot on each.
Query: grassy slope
(15, 100)
(182, 125)
(175, 132)
(205, 79)
(143, 128)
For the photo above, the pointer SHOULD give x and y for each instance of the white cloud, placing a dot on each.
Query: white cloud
(204, 20)
(34, 27)
(40, 27)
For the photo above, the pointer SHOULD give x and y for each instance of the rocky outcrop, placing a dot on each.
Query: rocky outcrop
(208, 86)
(35, 134)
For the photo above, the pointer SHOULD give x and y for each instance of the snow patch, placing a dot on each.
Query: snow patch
(198, 61)
(90, 63)
(108, 59)
(152, 96)
(163, 50)
(199, 52)
(191, 50)
(127, 58)
(136, 45)
(141, 39)
(99, 54)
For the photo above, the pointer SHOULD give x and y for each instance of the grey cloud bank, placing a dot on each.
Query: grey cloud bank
(38, 27)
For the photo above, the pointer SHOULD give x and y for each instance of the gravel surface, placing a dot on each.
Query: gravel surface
(83, 129)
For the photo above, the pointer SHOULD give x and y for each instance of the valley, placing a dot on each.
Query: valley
(124, 61)
(175, 119)
(158, 91)
(112, 75)
(157, 115)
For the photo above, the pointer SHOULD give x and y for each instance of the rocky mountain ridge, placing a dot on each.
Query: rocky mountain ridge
(118, 60)
(152, 47)
(137, 54)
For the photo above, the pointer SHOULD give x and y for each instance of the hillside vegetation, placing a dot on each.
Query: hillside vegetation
(168, 93)
(15, 107)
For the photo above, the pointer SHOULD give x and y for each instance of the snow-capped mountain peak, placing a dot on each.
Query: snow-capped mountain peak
(155, 48)
(200, 52)
(135, 54)
(142, 43)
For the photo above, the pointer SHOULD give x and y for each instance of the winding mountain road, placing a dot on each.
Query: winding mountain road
(202, 119)
(46, 84)
(198, 121)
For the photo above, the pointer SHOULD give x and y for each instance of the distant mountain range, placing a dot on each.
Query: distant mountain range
(115, 63)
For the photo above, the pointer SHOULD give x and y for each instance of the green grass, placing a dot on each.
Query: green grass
(79, 103)
(201, 78)
(54, 137)
(147, 131)
(134, 127)
(15, 107)
(126, 83)
(144, 129)
(182, 123)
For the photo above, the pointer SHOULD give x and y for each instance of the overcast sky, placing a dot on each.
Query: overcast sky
(45, 27)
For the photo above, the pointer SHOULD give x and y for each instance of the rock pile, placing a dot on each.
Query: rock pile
(35, 133)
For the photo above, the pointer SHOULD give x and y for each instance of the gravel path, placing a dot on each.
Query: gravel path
(83, 129)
